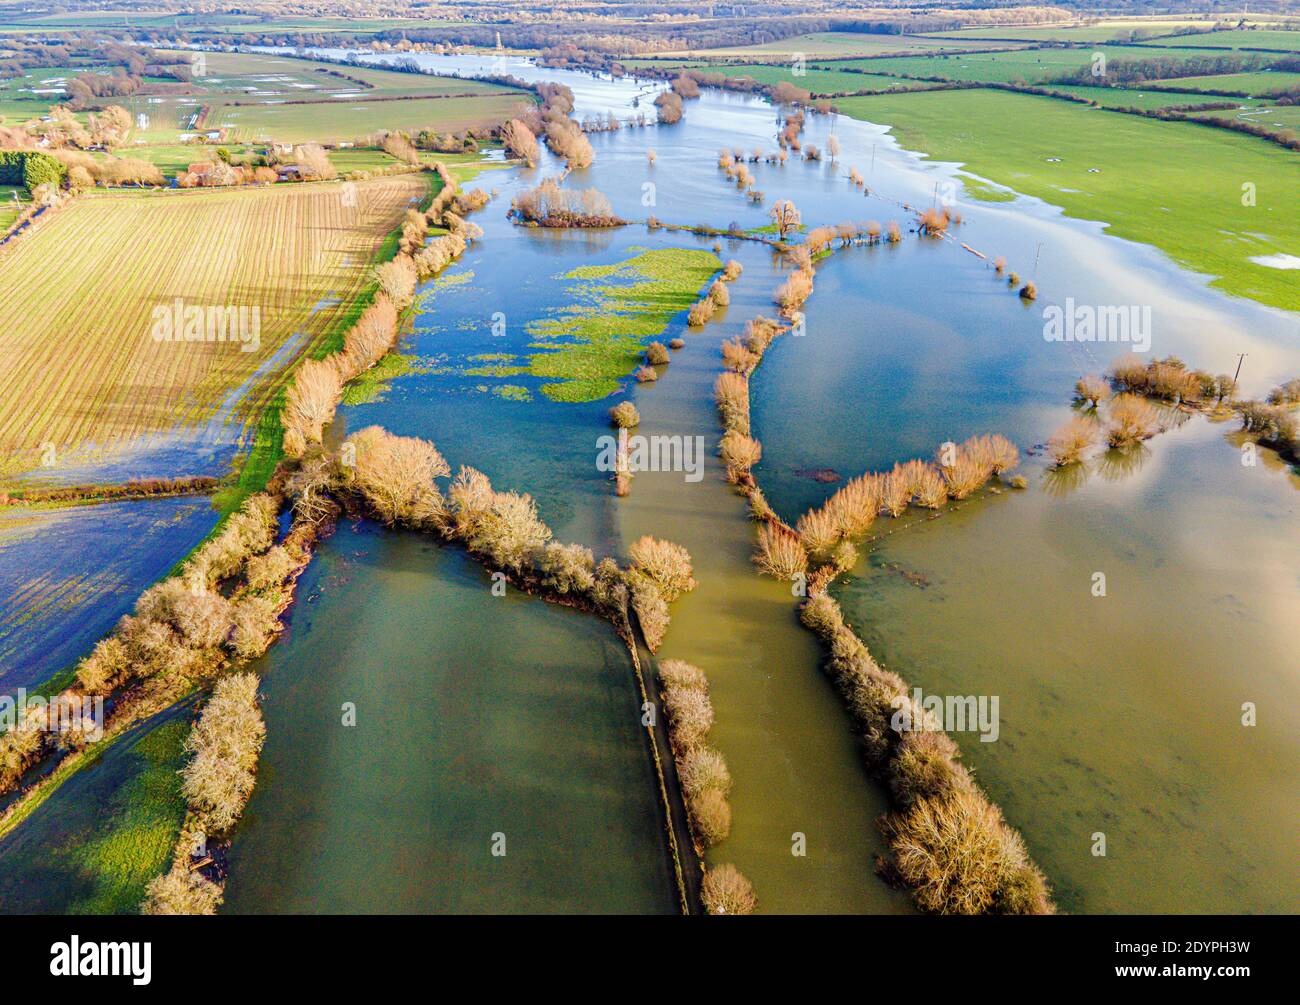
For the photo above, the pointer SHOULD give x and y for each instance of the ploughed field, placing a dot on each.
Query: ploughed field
(87, 361)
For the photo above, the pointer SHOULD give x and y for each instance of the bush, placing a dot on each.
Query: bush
(651, 611)
(993, 451)
(395, 476)
(703, 770)
(740, 453)
(182, 891)
(690, 714)
(656, 354)
(759, 333)
(701, 312)
(780, 553)
(718, 293)
(30, 169)
(669, 104)
(1129, 373)
(373, 334)
(855, 506)
(202, 618)
(552, 206)
(737, 358)
(959, 857)
(646, 374)
(792, 293)
(677, 343)
(256, 622)
(818, 533)
(682, 676)
(520, 143)
(1131, 420)
(732, 270)
(566, 568)
(1284, 394)
(397, 279)
(312, 398)
(624, 415)
(925, 767)
(225, 744)
(270, 570)
(1069, 443)
(105, 667)
(711, 815)
(895, 492)
(929, 488)
(20, 746)
(965, 475)
(725, 891)
(508, 531)
(1092, 390)
(731, 392)
(666, 564)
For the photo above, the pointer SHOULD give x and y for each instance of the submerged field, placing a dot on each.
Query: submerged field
(261, 97)
(264, 97)
(95, 850)
(94, 375)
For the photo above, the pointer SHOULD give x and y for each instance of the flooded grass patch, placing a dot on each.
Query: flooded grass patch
(95, 844)
(617, 308)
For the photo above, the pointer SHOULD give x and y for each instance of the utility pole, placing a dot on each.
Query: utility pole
(1241, 356)
(1038, 251)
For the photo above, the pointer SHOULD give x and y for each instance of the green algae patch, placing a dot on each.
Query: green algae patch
(590, 345)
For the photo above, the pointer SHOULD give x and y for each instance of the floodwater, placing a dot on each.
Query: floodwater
(496, 764)
(65, 578)
(480, 716)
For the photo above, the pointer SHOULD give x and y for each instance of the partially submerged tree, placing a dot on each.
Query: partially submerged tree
(786, 216)
(520, 143)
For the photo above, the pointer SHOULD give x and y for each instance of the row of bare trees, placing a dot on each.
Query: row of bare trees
(948, 843)
(317, 387)
(702, 771)
(549, 205)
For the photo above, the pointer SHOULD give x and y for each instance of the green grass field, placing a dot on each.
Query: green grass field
(13, 200)
(1029, 65)
(1263, 82)
(1109, 30)
(1176, 186)
(1288, 41)
(1134, 97)
(1273, 116)
(846, 43)
(19, 100)
(820, 79)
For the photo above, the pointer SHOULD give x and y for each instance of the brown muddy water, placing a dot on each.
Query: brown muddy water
(779, 723)
(1120, 715)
